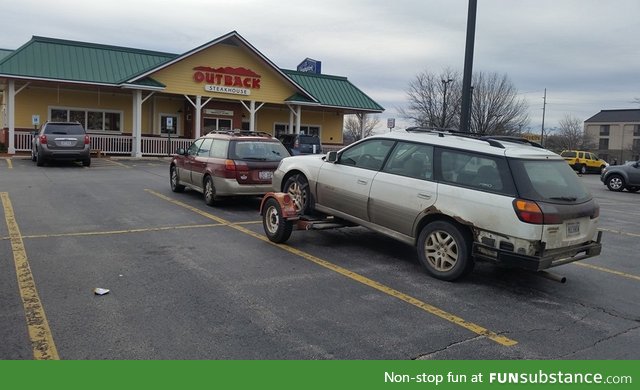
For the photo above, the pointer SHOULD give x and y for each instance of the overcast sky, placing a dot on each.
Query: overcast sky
(586, 53)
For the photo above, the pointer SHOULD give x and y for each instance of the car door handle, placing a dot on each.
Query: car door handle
(363, 182)
(424, 196)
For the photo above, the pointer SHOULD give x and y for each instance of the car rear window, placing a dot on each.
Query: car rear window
(257, 150)
(70, 129)
(548, 181)
(568, 154)
(309, 139)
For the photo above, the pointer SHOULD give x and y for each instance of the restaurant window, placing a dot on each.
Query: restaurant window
(604, 130)
(310, 130)
(90, 119)
(280, 129)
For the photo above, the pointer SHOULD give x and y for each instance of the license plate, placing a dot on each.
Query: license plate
(573, 228)
(67, 143)
(265, 175)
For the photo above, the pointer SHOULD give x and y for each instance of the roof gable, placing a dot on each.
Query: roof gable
(72, 61)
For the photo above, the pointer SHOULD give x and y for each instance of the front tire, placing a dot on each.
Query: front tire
(297, 186)
(444, 250)
(209, 191)
(174, 180)
(615, 183)
(276, 228)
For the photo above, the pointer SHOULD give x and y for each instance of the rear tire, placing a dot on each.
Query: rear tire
(209, 191)
(297, 187)
(39, 159)
(174, 180)
(276, 228)
(33, 155)
(86, 163)
(615, 183)
(582, 169)
(445, 250)
(633, 189)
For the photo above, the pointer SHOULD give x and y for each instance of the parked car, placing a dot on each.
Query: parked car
(298, 144)
(61, 141)
(227, 164)
(456, 198)
(584, 162)
(619, 177)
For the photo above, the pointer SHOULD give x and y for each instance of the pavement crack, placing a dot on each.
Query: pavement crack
(428, 355)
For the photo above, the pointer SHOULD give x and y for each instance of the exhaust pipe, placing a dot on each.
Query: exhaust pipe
(552, 276)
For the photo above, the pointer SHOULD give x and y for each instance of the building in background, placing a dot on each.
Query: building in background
(131, 99)
(616, 134)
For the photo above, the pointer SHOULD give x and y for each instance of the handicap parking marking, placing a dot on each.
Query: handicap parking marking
(479, 330)
(38, 328)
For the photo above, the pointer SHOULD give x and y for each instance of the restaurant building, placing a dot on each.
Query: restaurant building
(140, 102)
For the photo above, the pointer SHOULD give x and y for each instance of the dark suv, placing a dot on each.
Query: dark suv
(227, 164)
(61, 141)
(298, 144)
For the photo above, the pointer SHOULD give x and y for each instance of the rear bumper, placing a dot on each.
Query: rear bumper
(52, 154)
(231, 187)
(546, 259)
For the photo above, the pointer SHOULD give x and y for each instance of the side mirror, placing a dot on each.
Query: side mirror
(332, 156)
(181, 151)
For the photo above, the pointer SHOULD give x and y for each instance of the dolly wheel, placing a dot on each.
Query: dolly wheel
(276, 227)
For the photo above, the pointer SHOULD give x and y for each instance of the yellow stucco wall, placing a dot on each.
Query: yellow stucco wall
(178, 77)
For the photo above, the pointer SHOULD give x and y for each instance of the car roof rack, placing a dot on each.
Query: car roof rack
(493, 140)
(442, 132)
(246, 133)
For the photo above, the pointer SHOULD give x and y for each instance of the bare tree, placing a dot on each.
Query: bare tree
(495, 109)
(571, 133)
(434, 100)
(495, 106)
(353, 126)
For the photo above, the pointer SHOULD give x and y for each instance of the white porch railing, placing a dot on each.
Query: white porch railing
(117, 144)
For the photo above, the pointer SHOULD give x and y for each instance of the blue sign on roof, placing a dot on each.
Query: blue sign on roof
(310, 66)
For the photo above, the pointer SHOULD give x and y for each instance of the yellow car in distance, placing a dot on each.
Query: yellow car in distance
(584, 162)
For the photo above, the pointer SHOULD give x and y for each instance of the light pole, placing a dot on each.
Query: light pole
(444, 102)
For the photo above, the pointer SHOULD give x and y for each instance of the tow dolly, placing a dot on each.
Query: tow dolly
(280, 217)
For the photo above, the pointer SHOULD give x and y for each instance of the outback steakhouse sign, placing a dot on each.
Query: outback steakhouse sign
(237, 81)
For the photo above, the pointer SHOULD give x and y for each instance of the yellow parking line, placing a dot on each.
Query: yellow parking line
(355, 276)
(611, 271)
(38, 327)
(126, 231)
(9, 163)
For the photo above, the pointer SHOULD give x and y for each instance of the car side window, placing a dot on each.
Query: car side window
(411, 160)
(369, 154)
(205, 146)
(487, 173)
(219, 148)
(193, 149)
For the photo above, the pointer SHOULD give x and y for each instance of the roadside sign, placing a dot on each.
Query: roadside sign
(391, 123)
(35, 120)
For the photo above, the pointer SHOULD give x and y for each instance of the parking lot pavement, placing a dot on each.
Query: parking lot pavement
(189, 281)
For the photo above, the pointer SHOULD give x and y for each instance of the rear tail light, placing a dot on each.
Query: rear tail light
(43, 139)
(232, 167)
(87, 140)
(530, 212)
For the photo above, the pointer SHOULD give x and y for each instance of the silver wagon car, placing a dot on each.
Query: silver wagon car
(456, 198)
(61, 141)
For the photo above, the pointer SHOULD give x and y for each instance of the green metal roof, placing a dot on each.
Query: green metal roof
(4, 53)
(47, 58)
(334, 91)
(72, 61)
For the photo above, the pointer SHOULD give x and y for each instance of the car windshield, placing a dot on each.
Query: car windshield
(67, 129)
(257, 150)
(548, 181)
